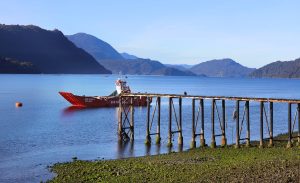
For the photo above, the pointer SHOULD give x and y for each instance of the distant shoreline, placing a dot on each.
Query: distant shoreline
(149, 75)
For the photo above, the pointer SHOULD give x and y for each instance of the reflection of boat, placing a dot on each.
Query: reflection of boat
(72, 108)
(104, 101)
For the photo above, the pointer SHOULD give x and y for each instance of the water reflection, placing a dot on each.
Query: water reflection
(169, 149)
(71, 109)
(180, 147)
(158, 148)
(147, 150)
(125, 149)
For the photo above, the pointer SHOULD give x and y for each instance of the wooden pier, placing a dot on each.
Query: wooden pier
(126, 118)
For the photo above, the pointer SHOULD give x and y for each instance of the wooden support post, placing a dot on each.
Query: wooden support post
(261, 141)
(170, 124)
(193, 141)
(237, 116)
(120, 120)
(271, 144)
(202, 138)
(180, 137)
(298, 109)
(224, 140)
(289, 145)
(248, 123)
(213, 138)
(132, 118)
(158, 122)
(148, 138)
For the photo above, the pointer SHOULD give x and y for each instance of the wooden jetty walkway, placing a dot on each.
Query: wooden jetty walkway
(126, 118)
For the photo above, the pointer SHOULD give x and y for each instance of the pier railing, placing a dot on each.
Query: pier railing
(126, 118)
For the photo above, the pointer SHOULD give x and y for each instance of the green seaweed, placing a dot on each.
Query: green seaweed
(228, 164)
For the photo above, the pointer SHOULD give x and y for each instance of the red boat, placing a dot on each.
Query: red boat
(103, 101)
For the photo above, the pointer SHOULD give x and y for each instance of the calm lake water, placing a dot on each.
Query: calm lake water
(45, 131)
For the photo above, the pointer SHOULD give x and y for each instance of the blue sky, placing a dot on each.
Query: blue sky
(252, 32)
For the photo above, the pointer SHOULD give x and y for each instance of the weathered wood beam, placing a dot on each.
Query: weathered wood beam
(193, 141)
(294, 101)
(158, 138)
(148, 138)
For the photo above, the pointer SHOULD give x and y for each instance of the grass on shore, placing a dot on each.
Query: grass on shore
(276, 164)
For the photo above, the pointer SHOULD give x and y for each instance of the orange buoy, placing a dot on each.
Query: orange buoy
(19, 104)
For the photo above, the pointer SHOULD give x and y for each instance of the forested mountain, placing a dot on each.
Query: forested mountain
(12, 66)
(31, 49)
(49, 51)
(279, 69)
(221, 68)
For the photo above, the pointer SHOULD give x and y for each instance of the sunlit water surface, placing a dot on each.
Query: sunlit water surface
(45, 131)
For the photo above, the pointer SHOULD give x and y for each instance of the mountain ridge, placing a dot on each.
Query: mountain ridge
(221, 68)
(137, 66)
(129, 56)
(279, 69)
(29, 48)
(98, 48)
(50, 51)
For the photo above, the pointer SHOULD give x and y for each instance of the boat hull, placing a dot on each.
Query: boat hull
(103, 101)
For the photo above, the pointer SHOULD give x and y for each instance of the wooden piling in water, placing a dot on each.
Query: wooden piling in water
(170, 124)
(126, 123)
(224, 140)
(180, 137)
(237, 131)
(193, 141)
(202, 138)
(289, 145)
(261, 144)
(132, 118)
(248, 123)
(120, 119)
(298, 109)
(158, 138)
(148, 138)
(271, 144)
(213, 137)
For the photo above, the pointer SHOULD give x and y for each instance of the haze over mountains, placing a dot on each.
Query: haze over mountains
(31, 49)
(128, 56)
(94, 46)
(182, 67)
(131, 64)
(142, 67)
(127, 64)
